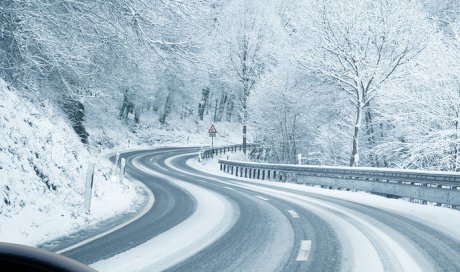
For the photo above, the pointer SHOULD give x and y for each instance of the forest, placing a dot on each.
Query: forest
(355, 82)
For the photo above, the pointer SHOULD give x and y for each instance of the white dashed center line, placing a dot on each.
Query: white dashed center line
(229, 188)
(261, 197)
(293, 214)
(304, 251)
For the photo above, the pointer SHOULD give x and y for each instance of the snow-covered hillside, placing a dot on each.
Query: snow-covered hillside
(107, 131)
(42, 174)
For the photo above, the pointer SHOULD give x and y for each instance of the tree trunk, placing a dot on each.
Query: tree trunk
(355, 151)
(456, 145)
(294, 144)
(370, 136)
(230, 107)
(215, 111)
(203, 102)
(221, 108)
(167, 108)
(137, 113)
(124, 107)
(245, 117)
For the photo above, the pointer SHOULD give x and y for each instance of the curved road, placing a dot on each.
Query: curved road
(258, 227)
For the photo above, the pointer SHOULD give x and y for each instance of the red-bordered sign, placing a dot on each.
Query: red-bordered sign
(212, 131)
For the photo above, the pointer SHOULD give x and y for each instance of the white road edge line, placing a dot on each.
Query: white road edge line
(261, 197)
(229, 188)
(304, 251)
(293, 213)
(144, 211)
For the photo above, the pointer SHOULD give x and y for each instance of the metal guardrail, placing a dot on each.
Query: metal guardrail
(433, 186)
(210, 152)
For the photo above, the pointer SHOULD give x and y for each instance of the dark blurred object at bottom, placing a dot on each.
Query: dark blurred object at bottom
(19, 258)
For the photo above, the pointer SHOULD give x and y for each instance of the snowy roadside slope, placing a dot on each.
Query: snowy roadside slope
(42, 171)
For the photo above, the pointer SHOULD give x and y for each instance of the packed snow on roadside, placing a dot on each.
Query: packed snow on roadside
(444, 219)
(43, 166)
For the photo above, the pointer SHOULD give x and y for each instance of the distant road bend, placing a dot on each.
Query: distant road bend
(203, 222)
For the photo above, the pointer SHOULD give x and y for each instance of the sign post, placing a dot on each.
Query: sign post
(122, 169)
(212, 133)
(299, 158)
(89, 187)
(200, 155)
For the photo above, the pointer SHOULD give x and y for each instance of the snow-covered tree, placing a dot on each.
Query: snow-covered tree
(421, 116)
(359, 45)
(250, 34)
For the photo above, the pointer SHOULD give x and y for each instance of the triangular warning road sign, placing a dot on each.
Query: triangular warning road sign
(212, 129)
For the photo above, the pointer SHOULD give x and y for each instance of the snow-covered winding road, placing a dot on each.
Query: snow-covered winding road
(205, 221)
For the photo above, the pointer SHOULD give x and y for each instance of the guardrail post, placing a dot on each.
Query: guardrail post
(263, 174)
(424, 201)
(438, 186)
(246, 172)
(89, 186)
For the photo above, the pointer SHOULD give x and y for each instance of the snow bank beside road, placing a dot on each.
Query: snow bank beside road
(42, 175)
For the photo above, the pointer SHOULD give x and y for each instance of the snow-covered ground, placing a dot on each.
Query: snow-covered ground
(444, 219)
(43, 166)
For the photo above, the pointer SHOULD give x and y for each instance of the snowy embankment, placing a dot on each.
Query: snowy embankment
(42, 175)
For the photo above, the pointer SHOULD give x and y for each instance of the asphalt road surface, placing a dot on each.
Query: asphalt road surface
(273, 229)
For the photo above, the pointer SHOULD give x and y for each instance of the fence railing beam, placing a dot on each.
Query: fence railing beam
(435, 186)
